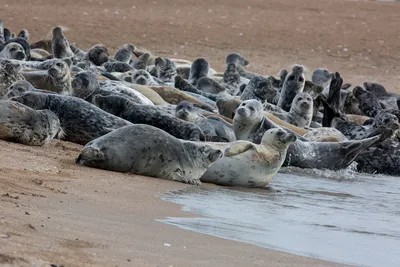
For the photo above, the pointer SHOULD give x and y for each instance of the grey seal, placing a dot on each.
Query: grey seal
(293, 84)
(60, 45)
(259, 88)
(387, 99)
(146, 150)
(368, 102)
(9, 73)
(252, 165)
(167, 69)
(124, 54)
(13, 51)
(80, 120)
(323, 77)
(250, 124)
(22, 124)
(199, 69)
(214, 128)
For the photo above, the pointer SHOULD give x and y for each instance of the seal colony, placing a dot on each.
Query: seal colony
(181, 120)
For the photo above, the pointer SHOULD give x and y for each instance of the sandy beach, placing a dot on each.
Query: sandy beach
(53, 211)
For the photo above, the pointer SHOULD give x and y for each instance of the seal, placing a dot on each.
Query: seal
(322, 77)
(13, 51)
(209, 85)
(151, 115)
(117, 67)
(81, 121)
(20, 87)
(24, 33)
(231, 79)
(9, 73)
(123, 88)
(325, 134)
(301, 111)
(388, 100)
(167, 69)
(293, 84)
(145, 150)
(368, 102)
(141, 62)
(60, 45)
(248, 164)
(239, 62)
(2, 37)
(250, 124)
(199, 69)
(214, 128)
(42, 44)
(22, 124)
(57, 78)
(259, 88)
(183, 85)
(97, 54)
(143, 77)
(21, 41)
(124, 54)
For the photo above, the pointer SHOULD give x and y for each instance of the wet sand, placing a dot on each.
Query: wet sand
(57, 212)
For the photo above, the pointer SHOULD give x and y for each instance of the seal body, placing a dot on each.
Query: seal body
(259, 88)
(21, 124)
(199, 69)
(293, 84)
(124, 54)
(9, 73)
(248, 164)
(60, 45)
(301, 111)
(80, 120)
(13, 51)
(146, 150)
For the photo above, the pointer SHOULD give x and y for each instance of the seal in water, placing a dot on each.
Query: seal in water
(81, 121)
(250, 124)
(151, 115)
(60, 45)
(13, 51)
(214, 128)
(145, 150)
(293, 84)
(248, 164)
(301, 111)
(22, 124)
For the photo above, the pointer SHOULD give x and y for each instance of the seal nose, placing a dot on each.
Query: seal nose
(305, 104)
(241, 112)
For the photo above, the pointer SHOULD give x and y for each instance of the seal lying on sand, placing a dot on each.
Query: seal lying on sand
(13, 51)
(146, 150)
(81, 121)
(21, 124)
(251, 124)
(9, 73)
(293, 84)
(248, 164)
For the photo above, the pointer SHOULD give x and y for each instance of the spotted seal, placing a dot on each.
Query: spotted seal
(80, 120)
(124, 54)
(323, 77)
(214, 128)
(252, 165)
(13, 51)
(24, 33)
(60, 45)
(9, 73)
(22, 124)
(259, 88)
(293, 84)
(250, 124)
(167, 69)
(387, 99)
(146, 150)
(368, 102)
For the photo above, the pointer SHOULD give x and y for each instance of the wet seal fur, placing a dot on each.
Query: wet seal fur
(22, 124)
(250, 124)
(81, 121)
(146, 150)
(248, 164)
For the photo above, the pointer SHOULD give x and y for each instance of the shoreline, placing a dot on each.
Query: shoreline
(58, 212)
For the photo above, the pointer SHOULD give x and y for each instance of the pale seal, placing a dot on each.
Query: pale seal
(145, 150)
(322, 77)
(199, 69)
(9, 73)
(60, 45)
(248, 164)
(21, 41)
(124, 54)
(13, 51)
(293, 84)
(214, 128)
(250, 124)
(325, 134)
(301, 111)
(57, 78)
(80, 120)
(22, 124)
(259, 88)
(20, 87)
(143, 77)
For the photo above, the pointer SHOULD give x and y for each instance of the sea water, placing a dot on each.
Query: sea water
(341, 216)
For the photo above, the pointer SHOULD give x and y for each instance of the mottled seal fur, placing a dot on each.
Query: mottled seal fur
(251, 124)
(325, 134)
(22, 124)
(293, 84)
(167, 69)
(368, 102)
(146, 150)
(13, 51)
(213, 127)
(259, 88)
(301, 111)
(124, 54)
(323, 77)
(248, 164)
(150, 115)
(387, 99)
(80, 120)
(60, 45)
(9, 73)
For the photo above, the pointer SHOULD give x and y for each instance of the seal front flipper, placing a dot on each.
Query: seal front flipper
(238, 148)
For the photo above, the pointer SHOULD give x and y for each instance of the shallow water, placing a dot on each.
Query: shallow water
(339, 216)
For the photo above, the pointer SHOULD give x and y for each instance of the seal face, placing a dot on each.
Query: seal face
(248, 164)
(97, 54)
(293, 84)
(21, 124)
(259, 88)
(368, 102)
(236, 59)
(143, 77)
(13, 51)
(322, 77)
(146, 150)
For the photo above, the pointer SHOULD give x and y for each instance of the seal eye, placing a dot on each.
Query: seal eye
(251, 108)
(58, 64)
(291, 78)
(301, 79)
(299, 99)
(280, 133)
(308, 99)
(386, 120)
(243, 104)
(13, 49)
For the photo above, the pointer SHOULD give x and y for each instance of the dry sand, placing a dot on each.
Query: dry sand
(54, 211)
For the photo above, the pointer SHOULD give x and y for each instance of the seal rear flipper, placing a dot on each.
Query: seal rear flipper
(355, 148)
